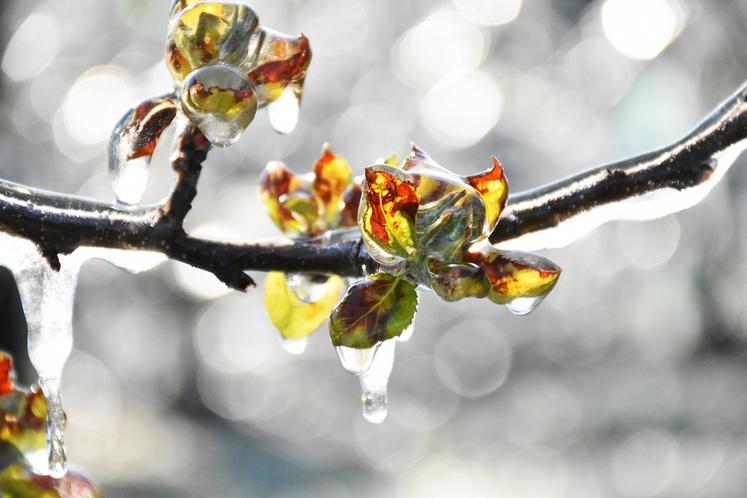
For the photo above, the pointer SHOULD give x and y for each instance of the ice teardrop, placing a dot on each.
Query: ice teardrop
(283, 113)
(354, 360)
(374, 383)
(524, 305)
(133, 143)
(221, 101)
(295, 346)
(308, 288)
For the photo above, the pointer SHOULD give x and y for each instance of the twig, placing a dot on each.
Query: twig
(59, 224)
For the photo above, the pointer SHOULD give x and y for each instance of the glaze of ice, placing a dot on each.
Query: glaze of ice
(306, 287)
(222, 129)
(130, 261)
(648, 206)
(295, 346)
(283, 113)
(374, 383)
(524, 305)
(128, 177)
(356, 361)
(47, 296)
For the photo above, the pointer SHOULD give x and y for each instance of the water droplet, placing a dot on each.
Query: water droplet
(295, 346)
(307, 288)
(374, 383)
(132, 144)
(354, 360)
(524, 305)
(283, 113)
(221, 101)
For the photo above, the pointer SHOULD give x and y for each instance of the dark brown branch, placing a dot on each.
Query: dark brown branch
(59, 224)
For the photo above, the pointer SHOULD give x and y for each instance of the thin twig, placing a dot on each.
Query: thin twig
(59, 224)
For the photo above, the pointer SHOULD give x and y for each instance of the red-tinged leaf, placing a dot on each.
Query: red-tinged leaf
(142, 127)
(493, 188)
(332, 176)
(282, 60)
(372, 311)
(389, 212)
(6, 374)
(515, 275)
(275, 184)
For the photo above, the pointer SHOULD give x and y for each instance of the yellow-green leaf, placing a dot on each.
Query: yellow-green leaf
(514, 275)
(372, 311)
(493, 188)
(294, 318)
(388, 213)
(276, 184)
(332, 176)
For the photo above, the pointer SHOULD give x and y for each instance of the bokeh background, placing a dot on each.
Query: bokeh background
(627, 381)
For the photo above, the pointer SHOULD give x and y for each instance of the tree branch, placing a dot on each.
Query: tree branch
(644, 187)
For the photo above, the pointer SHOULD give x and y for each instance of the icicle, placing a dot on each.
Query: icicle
(295, 346)
(354, 360)
(307, 288)
(374, 383)
(221, 101)
(524, 305)
(47, 297)
(283, 112)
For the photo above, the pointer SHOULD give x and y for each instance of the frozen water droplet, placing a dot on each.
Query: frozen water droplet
(307, 288)
(221, 101)
(354, 360)
(524, 305)
(132, 144)
(283, 113)
(47, 297)
(295, 346)
(374, 383)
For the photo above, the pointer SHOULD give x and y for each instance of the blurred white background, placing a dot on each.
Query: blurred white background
(629, 379)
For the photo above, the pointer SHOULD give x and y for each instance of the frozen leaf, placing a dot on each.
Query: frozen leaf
(220, 101)
(515, 275)
(387, 216)
(277, 184)
(132, 144)
(294, 318)
(493, 188)
(332, 175)
(372, 311)
(282, 60)
(452, 282)
(204, 33)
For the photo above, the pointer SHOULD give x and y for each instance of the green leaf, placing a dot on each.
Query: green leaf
(372, 311)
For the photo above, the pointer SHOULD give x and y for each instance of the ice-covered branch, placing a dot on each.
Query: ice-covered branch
(644, 187)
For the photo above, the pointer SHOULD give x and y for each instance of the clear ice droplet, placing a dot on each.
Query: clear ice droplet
(221, 101)
(354, 360)
(524, 305)
(374, 383)
(307, 288)
(295, 346)
(283, 113)
(132, 144)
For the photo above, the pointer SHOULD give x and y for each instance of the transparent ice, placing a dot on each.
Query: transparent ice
(307, 288)
(356, 361)
(374, 383)
(295, 346)
(221, 101)
(524, 305)
(283, 113)
(128, 177)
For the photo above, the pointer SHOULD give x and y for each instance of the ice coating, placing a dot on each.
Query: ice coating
(307, 288)
(221, 101)
(283, 113)
(355, 360)
(132, 144)
(374, 383)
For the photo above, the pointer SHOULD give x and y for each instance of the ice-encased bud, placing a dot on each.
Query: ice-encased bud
(205, 33)
(280, 63)
(221, 101)
(132, 144)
